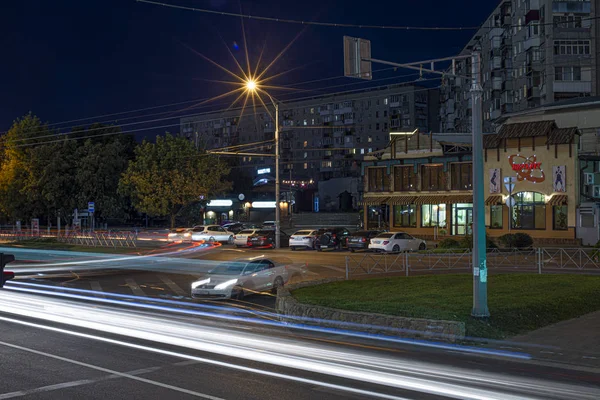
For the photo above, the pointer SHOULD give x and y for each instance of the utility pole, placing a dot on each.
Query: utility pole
(480, 308)
(357, 64)
(277, 182)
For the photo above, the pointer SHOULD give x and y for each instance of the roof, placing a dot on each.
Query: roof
(548, 129)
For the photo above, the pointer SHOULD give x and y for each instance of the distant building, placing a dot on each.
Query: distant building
(323, 139)
(534, 52)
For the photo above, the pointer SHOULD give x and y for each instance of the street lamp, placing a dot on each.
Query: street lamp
(252, 86)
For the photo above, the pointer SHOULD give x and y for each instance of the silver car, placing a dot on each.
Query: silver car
(211, 233)
(304, 239)
(238, 278)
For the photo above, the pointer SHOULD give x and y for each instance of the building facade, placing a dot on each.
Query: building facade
(422, 184)
(533, 53)
(323, 138)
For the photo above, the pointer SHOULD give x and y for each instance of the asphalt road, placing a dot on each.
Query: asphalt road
(52, 348)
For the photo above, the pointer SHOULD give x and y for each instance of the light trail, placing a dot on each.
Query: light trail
(383, 370)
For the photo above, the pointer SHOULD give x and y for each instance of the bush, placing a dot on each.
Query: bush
(448, 244)
(467, 242)
(516, 240)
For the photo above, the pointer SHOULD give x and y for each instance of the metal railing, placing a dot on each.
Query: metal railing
(101, 239)
(537, 260)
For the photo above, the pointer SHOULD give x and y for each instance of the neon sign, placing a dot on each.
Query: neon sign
(527, 168)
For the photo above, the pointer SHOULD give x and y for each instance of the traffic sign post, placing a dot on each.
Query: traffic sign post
(91, 210)
(509, 184)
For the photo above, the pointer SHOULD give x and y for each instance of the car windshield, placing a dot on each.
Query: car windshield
(303, 233)
(385, 235)
(264, 232)
(229, 268)
(199, 229)
(247, 232)
(361, 233)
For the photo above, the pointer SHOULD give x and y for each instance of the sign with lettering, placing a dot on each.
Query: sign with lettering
(527, 168)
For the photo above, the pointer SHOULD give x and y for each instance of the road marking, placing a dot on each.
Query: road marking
(96, 287)
(111, 372)
(135, 288)
(49, 388)
(173, 286)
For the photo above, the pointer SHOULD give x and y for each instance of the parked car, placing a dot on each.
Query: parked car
(266, 238)
(238, 278)
(332, 238)
(179, 235)
(304, 239)
(234, 227)
(396, 242)
(211, 233)
(241, 238)
(268, 225)
(360, 240)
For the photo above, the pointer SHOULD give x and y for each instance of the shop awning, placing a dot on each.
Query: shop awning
(558, 199)
(374, 201)
(493, 200)
(401, 200)
(450, 199)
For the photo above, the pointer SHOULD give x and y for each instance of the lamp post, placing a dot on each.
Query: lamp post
(251, 85)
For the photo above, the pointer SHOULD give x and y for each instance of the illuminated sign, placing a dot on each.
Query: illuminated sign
(263, 204)
(527, 168)
(220, 203)
(264, 171)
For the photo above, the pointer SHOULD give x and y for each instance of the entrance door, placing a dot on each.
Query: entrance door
(462, 219)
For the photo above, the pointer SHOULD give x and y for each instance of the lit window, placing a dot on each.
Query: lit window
(433, 215)
(362, 151)
(305, 165)
(370, 150)
(313, 121)
(529, 211)
(312, 111)
(385, 101)
(305, 143)
(305, 122)
(370, 139)
(305, 154)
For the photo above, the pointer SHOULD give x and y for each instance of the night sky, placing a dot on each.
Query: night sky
(69, 59)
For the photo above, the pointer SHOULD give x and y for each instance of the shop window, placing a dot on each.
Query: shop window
(405, 179)
(378, 180)
(496, 217)
(559, 218)
(529, 211)
(405, 216)
(433, 177)
(433, 215)
(461, 176)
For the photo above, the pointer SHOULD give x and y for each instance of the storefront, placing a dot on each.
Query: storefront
(531, 180)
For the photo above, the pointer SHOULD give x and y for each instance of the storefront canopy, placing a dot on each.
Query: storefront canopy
(558, 199)
(451, 199)
(493, 200)
(401, 200)
(374, 201)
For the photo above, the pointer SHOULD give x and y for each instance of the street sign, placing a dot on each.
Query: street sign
(91, 206)
(510, 187)
(357, 58)
(510, 202)
(241, 197)
(510, 179)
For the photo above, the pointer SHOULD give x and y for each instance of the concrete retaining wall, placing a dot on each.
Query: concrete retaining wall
(287, 305)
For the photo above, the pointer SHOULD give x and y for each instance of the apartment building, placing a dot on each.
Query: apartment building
(534, 53)
(323, 139)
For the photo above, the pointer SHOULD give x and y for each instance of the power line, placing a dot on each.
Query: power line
(317, 23)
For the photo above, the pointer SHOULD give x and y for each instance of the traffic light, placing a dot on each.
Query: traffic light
(6, 275)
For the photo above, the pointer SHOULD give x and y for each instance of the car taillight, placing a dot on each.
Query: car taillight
(235, 237)
(363, 239)
(386, 242)
(333, 236)
(263, 238)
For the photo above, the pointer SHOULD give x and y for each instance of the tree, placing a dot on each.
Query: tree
(167, 175)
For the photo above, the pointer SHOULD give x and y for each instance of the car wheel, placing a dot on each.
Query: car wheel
(277, 283)
(211, 239)
(319, 248)
(238, 245)
(422, 246)
(293, 248)
(230, 240)
(396, 249)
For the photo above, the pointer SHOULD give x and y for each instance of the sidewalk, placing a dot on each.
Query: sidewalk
(575, 341)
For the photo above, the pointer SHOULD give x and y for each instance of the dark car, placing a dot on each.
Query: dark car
(234, 227)
(266, 238)
(332, 238)
(360, 240)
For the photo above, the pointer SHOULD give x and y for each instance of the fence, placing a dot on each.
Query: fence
(105, 239)
(527, 260)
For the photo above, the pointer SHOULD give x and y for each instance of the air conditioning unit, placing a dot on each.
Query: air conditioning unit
(596, 191)
(588, 178)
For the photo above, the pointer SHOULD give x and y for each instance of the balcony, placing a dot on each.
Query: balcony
(326, 112)
(572, 87)
(496, 32)
(533, 41)
(343, 110)
(495, 114)
(497, 83)
(578, 7)
(496, 62)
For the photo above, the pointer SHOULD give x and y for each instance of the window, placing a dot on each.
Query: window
(385, 101)
(305, 165)
(305, 122)
(567, 73)
(568, 21)
(376, 114)
(529, 211)
(312, 111)
(571, 47)
(405, 179)
(362, 151)
(378, 179)
(405, 216)
(305, 154)
(496, 217)
(377, 126)
(461, 176)
(312, 121)
(305, 143)
(433, 215)
(433, 177)
(325, 164)
(559, 218)
(385, 113)
(370, 139)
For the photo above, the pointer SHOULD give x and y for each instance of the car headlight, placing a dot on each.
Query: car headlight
(172, 234)
(225, 285)
(187, 234)
(200, 283)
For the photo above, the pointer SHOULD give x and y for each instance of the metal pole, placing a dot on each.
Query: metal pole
(480, 307)
(277, 183)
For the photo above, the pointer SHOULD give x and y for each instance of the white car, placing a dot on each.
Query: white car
(238, 278)
(241, 238)
(179, 235)
(303, 239)
(211, 233)
(396, 242)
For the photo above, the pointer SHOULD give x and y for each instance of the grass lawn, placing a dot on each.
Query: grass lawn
(518, 303)
(53, 244)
